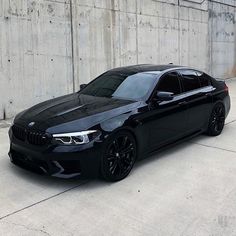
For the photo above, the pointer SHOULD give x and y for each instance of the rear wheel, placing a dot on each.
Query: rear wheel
(217, 120)
(119, 156)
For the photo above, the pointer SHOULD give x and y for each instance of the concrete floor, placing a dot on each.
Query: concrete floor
(188, 190)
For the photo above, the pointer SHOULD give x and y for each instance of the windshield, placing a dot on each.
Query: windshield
(133, 87)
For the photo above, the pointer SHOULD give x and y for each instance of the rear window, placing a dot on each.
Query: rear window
(204, 79)
(190, 80)
(169, 83)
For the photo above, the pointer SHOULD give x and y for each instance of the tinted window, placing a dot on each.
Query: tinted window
(190, 80)
(169, 83)
(203, 78)
(133, 87)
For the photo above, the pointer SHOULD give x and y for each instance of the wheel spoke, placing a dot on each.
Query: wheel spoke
(216, 126)
(116, 145)
(213, 122)
(113, 167)
(111, 158)
(217, 109)
(220, 110)
(121, 167)
(124, 142)
(127, 150)
(127, 161)
(221, 119)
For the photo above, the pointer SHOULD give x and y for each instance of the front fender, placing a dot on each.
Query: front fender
(116, 122)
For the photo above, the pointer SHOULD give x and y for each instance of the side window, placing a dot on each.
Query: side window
(204, 79)
(169, 83)
(190, 80)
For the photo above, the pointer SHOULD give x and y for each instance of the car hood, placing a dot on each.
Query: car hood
(66, 113)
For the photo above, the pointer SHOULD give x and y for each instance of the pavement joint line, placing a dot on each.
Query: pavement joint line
(43, 200)
(223, 149)
(230, 122)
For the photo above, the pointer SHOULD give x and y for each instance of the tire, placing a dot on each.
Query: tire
(217, 120)
(119, 156)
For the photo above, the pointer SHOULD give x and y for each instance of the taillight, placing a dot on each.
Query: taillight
(226, 89)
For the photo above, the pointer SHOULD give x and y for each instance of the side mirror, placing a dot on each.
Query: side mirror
(164, 96)
(82, 86)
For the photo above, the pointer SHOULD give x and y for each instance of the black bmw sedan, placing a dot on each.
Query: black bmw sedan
(121, 116)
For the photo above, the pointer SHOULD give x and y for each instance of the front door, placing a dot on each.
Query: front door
(167, 118)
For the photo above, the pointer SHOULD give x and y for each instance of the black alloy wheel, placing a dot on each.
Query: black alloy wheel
(217, 120)
(119, 156)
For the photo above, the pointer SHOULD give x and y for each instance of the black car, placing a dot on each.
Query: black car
(121, 116)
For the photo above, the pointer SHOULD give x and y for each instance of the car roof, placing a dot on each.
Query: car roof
(145, 68)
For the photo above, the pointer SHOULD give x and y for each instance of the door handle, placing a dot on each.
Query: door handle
(182, 103)
(208, 94)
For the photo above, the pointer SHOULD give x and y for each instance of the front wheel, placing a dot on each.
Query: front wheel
(217, 120)
(119, 156)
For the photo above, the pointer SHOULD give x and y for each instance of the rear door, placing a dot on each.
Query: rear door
(198, 95)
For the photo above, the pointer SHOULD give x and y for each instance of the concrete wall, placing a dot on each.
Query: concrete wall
(35, 53)
(49, 47)
(222, 38)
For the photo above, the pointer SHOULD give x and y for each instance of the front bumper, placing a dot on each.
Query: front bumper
(60, 161)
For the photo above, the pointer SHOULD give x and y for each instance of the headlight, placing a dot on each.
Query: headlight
(76, 138)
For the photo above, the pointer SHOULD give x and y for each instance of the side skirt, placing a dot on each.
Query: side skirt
(171, 144)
